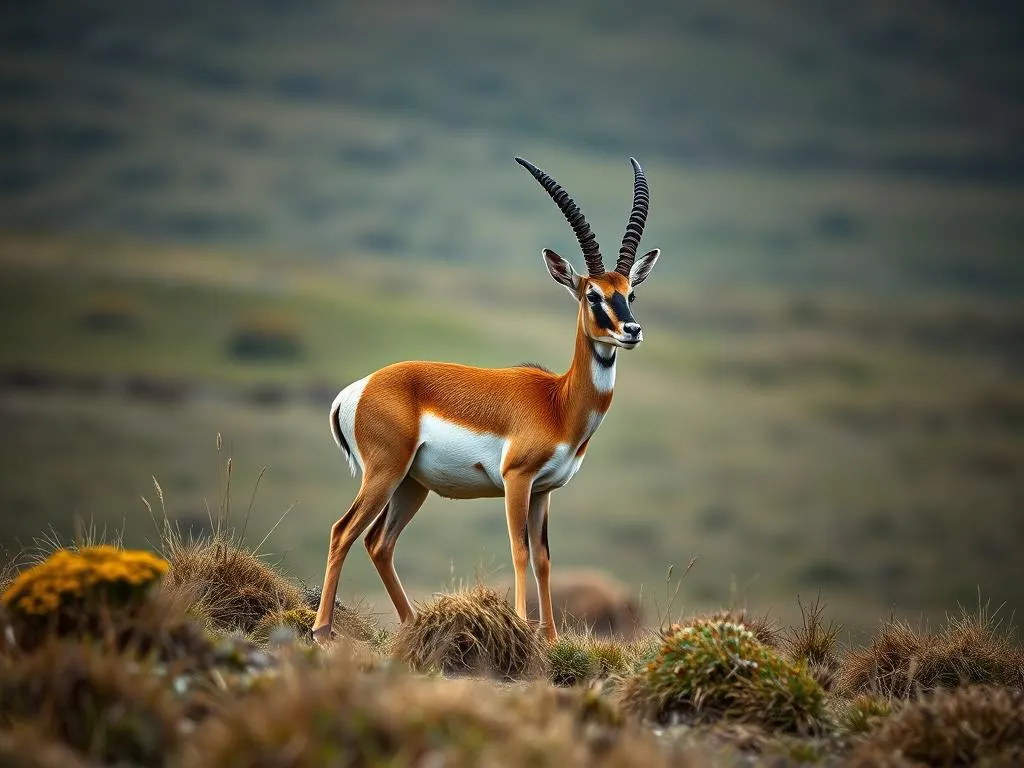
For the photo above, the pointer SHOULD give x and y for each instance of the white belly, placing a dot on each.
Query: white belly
(457, 462)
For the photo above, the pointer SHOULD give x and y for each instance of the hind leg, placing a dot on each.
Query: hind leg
(383, 535)
(376, 489)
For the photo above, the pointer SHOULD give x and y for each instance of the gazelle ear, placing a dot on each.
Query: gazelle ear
(562, 271)
(642, 267)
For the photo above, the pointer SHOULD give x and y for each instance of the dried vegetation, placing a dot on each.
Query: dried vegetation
(470, 632)
(902, 662)
(202, 658)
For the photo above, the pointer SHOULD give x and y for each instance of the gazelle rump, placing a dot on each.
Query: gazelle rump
(467, 433)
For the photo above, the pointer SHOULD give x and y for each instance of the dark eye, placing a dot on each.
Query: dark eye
(632, 297)
(594, 298)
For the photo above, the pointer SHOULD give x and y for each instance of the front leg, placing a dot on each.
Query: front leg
(537, 524)
(517, 505)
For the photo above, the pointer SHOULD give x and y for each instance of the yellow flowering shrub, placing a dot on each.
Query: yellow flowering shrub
(71, 577)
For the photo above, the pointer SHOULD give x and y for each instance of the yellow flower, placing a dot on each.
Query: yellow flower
(68, 574)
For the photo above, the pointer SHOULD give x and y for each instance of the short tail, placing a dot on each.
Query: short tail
(339, 438)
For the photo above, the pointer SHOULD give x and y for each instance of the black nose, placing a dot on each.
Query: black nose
(631, 329)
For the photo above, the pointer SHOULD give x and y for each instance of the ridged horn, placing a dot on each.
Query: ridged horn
(588, 243)
(637, 219)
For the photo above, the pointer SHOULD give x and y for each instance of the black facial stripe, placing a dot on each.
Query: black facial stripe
(620, 307)
(601, 317)
(604, 362)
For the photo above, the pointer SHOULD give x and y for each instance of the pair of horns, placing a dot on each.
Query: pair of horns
(588, 243)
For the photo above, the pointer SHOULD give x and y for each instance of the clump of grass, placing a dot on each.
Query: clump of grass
(763, 627)
(710, 670)
(863, 713)
(74, 591)
(226, 583)
(349, 621)
(266, 336)
(814, 642)
(965, 726)
(97, 703)
(571, 662)
(471, 631)
(577, 658)
(337, 716)
(900, 662)
(641, 650)
(299, 621)
(612, 658)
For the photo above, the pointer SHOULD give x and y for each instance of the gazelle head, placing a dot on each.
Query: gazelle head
(605, 297)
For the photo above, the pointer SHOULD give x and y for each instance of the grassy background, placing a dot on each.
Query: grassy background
(793, 443)
(830, 394)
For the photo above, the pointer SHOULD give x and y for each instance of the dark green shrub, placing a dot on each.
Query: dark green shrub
(711, 670)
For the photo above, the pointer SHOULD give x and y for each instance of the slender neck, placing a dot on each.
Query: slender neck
(588, 384)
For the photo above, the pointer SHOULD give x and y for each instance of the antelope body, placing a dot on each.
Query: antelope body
(466, 432)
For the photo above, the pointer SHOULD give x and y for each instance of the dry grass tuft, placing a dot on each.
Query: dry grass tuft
(900, 662)
(97, 703)
(966, 726)
(708, 670)
(578, 657)
(474, 632)
(814, 642)
(353, 622)
(863, 713)
(229, 585)
(296, 621)
(338, 716)
(570, 661)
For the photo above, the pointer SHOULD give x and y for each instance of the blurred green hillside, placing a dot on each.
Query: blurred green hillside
(872, 145)
(829, 397)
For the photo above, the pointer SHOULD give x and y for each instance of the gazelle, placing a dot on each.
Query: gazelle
(468, 433)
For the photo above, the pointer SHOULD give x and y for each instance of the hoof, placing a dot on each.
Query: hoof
(323, 635)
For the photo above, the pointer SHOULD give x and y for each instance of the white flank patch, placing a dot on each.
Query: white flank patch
(347, 402)
(457, 462)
